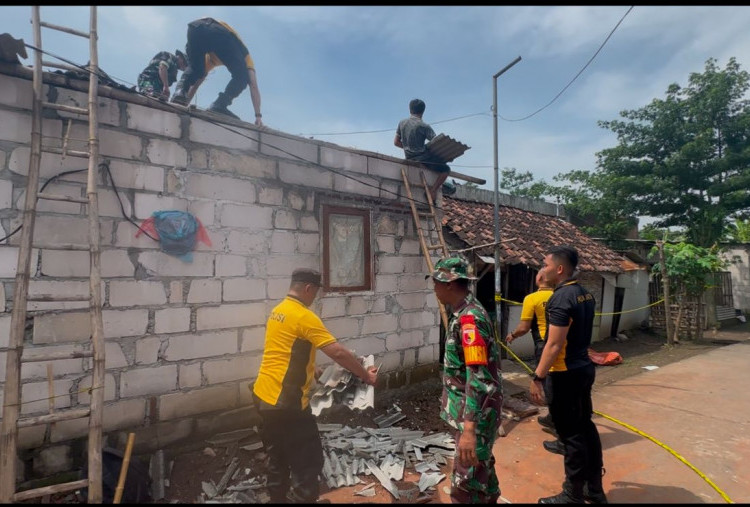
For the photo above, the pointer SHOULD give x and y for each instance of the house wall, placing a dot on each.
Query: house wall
(635, 283)
(184, 340)
(739, 266)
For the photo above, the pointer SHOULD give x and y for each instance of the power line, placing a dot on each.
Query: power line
(576, 76)
(390, 129)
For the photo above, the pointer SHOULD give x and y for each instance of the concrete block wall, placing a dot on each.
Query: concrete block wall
(184, 340)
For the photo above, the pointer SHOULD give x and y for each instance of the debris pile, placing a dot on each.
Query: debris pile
(384, 453)
(338, 385)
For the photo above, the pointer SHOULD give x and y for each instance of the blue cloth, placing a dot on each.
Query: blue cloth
(177, 232)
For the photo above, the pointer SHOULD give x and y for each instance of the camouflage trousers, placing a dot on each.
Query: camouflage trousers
(476, 484)
(151, 88)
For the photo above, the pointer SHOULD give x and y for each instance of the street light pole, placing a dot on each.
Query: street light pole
(498, 303)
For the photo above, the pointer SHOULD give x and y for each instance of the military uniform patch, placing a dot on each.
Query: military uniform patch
(475, 350)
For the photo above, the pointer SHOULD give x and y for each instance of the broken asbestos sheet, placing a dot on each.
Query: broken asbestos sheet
(338, 385)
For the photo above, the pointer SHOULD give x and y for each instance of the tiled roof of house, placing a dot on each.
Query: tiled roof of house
(525, 235)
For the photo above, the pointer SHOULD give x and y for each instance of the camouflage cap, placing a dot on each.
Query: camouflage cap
(452, 268)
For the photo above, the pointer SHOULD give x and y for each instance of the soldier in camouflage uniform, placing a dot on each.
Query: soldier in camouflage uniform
(161, 73)
(472, 384)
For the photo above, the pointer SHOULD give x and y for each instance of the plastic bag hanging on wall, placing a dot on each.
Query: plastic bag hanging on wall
(177, 232)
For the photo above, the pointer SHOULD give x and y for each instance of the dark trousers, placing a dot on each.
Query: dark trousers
(571, 409)
(208, 36)
(295, 454)
(432, 161)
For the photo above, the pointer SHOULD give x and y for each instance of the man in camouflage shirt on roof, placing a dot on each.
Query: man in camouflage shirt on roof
(472, 384)
(161, 73)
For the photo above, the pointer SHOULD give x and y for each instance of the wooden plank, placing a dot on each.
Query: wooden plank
(49, 490)
(61, 415)
(54, 356)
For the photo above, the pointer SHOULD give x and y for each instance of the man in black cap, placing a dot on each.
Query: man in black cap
(161, 73)
(282, 390)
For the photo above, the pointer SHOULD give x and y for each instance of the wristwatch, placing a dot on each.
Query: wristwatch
(536, 377)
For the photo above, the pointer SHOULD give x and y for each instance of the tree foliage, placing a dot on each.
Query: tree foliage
(685, 160)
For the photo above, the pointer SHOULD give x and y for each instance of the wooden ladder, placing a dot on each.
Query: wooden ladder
(426, 234)
(11, 422)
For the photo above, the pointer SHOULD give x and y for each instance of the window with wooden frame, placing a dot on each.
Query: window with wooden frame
(347, 261)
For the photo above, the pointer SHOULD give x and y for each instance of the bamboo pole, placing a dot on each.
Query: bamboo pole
(12, 393)
(124, 468)
(95, 306)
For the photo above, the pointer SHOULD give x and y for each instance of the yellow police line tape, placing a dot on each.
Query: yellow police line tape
(635, 430)
(500, 298)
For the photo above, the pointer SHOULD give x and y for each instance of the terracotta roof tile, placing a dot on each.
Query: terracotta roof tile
(525, 235)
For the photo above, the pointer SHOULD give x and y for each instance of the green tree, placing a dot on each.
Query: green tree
(690, 270)
(685, 160)
(522, 184)
(654, 233)
(739, 231)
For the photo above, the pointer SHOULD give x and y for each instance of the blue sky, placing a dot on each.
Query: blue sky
(353, 69)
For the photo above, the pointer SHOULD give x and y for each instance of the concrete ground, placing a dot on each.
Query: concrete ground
(698, 408)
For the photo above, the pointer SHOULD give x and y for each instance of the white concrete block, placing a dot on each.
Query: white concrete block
(175, 292)
(386, 284)
(381, 168)
(410, 358)
(160, 263)
(114, 143)
(270, 195)
(204, 291)
(192, 346)
(60, 328)
(286, 147)
(190, 375)
(145, 381)
(391, 190)
(412, 300)
(203, 210)
(197, 401)
(405, 340)
(60, 367)
(124, 414)
(340, 159)
(283, 265)
(34, 391)
(2, 300)
(390, 361)
(332, 307)
(308, 223)
(305, 175)
(163, 152)
(147, 350)
(277, 288)
(219, 188)
(390, 264)
(52, 231)
(231, 265)
(427, 354)
(309, 244)
(366, 346)
(16, 127)
(232, 315)
(115, 262)
(16, 92)
(64, 263)
(252, 166)
(172, 320)
(121, 323)
(6, 195)
(216, 135)
(249, 243)
(253, 339)
(125, 237)
(386, 244)
(137, 176)
(282, 242)
(347, 327)
(356, 184)
(58, 289)
(383, 323)
(70, 208)
(285, 219)
(198, 158)
(296, 201)
(417, 320)
(236, 368)
(247, 216)
(136, 293)
(107, 110)
(410, 247)
(113, 356)
(244, 289)
(84, 398)
(146, 204)
(411, 283)
(154, 121)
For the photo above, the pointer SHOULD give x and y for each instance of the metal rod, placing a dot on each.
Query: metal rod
(498, 303)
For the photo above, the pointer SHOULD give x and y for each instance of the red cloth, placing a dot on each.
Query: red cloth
(605, 358)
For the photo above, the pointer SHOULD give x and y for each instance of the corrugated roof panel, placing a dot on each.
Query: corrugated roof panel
(447, 148)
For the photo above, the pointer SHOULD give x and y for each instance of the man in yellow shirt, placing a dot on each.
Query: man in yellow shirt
(533, 319)
(211, 43)
(282, 390)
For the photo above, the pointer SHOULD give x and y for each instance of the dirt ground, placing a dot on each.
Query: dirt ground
(420, 404)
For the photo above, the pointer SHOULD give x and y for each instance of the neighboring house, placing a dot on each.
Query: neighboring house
(184, 340)
(528, 228)
(738, 257)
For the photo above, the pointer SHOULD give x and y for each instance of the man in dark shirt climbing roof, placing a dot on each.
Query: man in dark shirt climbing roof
(411, 135)
(211, 43)
(570, 319)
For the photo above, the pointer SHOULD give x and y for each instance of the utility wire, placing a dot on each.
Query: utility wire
(576, 76)
(391, 129)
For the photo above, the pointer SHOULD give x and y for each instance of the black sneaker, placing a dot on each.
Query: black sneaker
(546, 421)
(554, 446)
(223, 110)
(563, 497)
(551, 431)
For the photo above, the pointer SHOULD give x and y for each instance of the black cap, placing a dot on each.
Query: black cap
(306, 275)
(180, 53)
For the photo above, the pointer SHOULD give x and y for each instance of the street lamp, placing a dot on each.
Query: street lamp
(498, 304)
